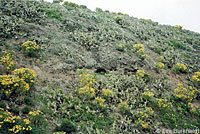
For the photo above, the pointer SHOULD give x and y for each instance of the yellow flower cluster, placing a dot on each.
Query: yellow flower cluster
(8, 60)
(180, 67)
(7, 117)
(35, 113)
(146, 19)
(18, 128)
(120, 47)
(192, 108)
(107, 93)
(140, 73)
(87, 92)
(86, 79)
(185, 93)
(100, 101)
(118, 17)
(87, 82)
(30, 46)
(142, 123)
(143, 56)
(123, 106)
(163, 103)
(159, 65)
(59, 133)
(179, 27)
(27, 121)
(140, 50)
(160, 59)
(138, 46)
(148, 95)
(11, 83)
(21, 81)
(149, 110)
(142, 115)
(27, 74)
(142, 119)
(196, 77)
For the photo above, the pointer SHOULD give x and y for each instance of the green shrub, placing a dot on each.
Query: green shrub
(177, 44)
(120, 47)
(29, 101)
(26, 109)
(83, 6)
(98, 10)
(66, 126)
(118, 19)
(15, 110)
(58, 1)
(39, 122)
(71, 4)
(29, 11)
(2, 105)
(53, 13)
(9, 25)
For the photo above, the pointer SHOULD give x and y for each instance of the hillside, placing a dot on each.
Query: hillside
(67, 69)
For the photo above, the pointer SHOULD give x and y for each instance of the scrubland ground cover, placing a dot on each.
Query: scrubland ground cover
(65, 69)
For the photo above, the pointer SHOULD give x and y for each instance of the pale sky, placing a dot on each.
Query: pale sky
(172, 12)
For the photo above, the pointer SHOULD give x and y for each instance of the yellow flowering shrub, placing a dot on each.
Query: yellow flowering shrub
(59, 133)
(187, 94)
(160, 59)
(37, 118)
(149, 110)
(141, 115)
(107, 93)
(123, 106)
(35, 113)
(164, 104)
(86, 92)
(140, 51)
(142, 118)
(86, 79)
(28, 75)
(8, 60)
(159, 65)
(196, 77)
(100, 101)
(140, 73)
(148, 95)
(30, 47)
(191, 108)
(179, 27)
(142, 123)
(143, 56)
(138, 46)
(13, 124)
(120, 47)
(180, 67)
(11, 84)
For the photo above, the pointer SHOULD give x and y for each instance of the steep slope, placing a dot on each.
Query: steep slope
(140, 61)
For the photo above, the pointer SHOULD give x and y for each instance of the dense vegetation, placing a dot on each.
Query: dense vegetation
(67, 69)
